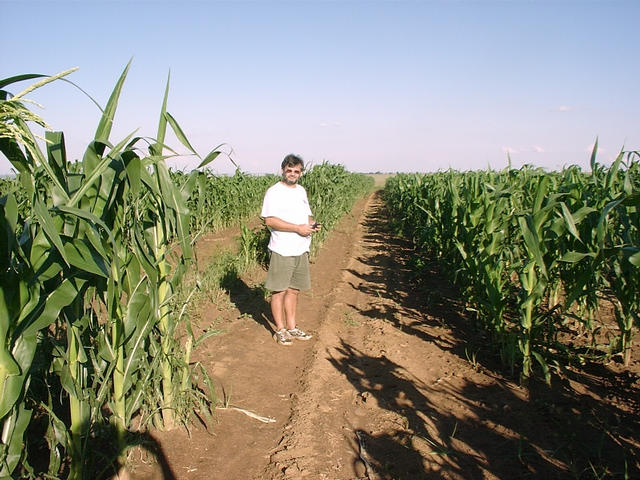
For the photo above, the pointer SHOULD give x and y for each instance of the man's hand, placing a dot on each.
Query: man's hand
(305, 230)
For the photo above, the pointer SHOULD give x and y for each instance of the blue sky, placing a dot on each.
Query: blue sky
(372, 85)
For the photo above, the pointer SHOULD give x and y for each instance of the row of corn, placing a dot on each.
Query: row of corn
(86, 327)
(332, 192)
(535, 254)
(89, 283)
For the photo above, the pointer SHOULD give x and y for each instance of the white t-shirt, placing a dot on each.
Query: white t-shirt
(291, 205)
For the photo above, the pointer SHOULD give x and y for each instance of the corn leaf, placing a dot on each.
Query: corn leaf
(569, 221)
(106, 121)
(179, 132)
(82, 256)
(574, 257)
(13, 431)
(47, 223)
(532, 242)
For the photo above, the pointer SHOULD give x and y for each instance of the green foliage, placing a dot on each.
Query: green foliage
(86, 294)
(219, 201)
(531, 250)
(332, 192)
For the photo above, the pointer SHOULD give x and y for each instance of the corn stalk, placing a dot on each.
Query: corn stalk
(91, 265)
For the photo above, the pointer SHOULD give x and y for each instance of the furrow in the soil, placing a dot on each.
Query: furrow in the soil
(321, 437)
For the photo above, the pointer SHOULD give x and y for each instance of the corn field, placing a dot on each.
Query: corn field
(535, 254)
(332, 193)
(209, 203)
(94, 254)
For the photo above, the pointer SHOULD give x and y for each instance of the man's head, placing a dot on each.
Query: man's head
(292, 168)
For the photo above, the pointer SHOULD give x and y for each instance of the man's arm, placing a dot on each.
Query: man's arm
(278, 224)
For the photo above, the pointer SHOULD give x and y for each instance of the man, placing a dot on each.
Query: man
(286, 212)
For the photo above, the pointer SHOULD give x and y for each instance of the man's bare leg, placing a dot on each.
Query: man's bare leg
(290, 306)
(277, 308)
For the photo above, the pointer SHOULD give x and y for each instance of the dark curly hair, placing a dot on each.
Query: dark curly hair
(292, 160)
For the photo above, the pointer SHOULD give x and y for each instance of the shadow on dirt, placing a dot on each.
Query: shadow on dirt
(100, 457)
(575, 429)
(554, 439)
(250, 301)
(148, 444)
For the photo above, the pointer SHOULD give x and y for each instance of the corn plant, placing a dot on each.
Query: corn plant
(220, 201)
(92, 274)
(531, 245)
(332, 192)
(33, 292)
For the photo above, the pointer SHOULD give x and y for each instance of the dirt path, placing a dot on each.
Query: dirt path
(390, 387)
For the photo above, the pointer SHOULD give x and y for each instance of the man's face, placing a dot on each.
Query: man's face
(291, 175)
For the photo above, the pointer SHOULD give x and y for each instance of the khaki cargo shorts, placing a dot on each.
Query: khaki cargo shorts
(288, 272)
